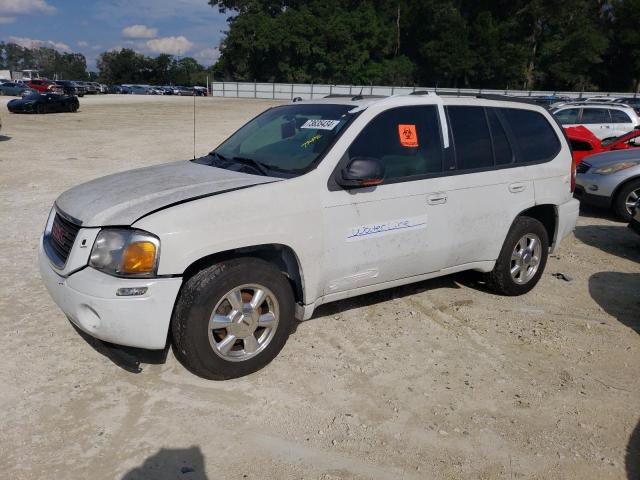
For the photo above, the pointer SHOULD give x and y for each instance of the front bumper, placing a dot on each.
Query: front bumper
(88, 298)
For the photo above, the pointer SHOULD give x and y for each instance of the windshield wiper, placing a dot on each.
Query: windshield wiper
(261, 167)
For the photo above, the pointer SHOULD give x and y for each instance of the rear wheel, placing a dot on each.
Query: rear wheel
(522, 258)
(626, 198)
(232, 318)
(40, 109)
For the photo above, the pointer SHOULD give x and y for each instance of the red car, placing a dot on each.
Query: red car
(44, 86)
(584, 143)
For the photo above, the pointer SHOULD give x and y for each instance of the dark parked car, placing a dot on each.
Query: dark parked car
(44, 103)
(13, 88)
(71, 88)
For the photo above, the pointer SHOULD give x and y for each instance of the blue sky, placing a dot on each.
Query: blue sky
(179, 27)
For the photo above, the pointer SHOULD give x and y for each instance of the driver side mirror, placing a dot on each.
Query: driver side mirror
(361, 172)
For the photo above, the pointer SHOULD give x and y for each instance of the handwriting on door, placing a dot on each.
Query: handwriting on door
(380, 228)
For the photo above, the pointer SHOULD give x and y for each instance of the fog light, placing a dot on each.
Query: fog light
(131, 291)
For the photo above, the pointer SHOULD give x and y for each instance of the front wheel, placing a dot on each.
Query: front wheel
(522, 258)
(626, 198)
(232, 318)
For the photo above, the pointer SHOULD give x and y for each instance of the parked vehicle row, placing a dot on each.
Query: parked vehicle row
(158, 90)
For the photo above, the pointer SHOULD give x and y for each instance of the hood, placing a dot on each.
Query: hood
(582, 133)
(123, 198)
(615, 156)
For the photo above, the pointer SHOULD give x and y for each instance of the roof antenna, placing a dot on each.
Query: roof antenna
(194, 124)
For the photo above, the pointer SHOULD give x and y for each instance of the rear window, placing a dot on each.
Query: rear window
(535, 139)
(618, 116)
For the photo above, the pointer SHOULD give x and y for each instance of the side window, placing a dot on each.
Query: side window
(406, 140)
(591, 116)
(501, 147)
(535, 138)
(569, 116)
(471, 137)
(618, 116)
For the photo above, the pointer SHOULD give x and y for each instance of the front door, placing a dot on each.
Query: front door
(398, 229)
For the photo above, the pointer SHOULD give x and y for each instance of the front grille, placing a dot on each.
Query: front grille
(61, 237)
(583, 167)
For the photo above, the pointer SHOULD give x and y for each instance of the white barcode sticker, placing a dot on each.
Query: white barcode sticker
(321, 124)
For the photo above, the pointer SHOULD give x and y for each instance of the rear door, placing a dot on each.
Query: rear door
(598, 120)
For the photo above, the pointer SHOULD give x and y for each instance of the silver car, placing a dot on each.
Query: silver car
(610, 180)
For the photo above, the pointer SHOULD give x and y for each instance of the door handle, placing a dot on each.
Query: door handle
(437, 198)
(517, 187)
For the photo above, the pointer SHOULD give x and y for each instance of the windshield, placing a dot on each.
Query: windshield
(32, 96)
(284, 141)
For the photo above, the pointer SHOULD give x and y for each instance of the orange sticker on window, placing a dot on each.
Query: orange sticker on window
(408, 136)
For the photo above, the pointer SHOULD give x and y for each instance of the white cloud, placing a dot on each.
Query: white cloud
(34, 43)
(20, 7)
(82, 44)
(5, 20)
(139, 31)
(171, 45)
(207, 56)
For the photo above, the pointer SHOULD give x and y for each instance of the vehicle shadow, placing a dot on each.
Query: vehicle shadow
(614, 239)
(127, 358)
(590, 211)
(632, 456)
(169, 464)
(4, 138)
(618, 294)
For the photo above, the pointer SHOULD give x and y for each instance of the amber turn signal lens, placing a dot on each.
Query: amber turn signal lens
(139, 257)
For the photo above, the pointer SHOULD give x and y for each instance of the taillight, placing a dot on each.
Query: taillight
(573, 175)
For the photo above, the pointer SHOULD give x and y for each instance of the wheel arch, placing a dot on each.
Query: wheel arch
(622, 184)
(547, 215)
(283, 256)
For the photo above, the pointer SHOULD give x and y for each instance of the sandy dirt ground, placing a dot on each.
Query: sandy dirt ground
(437, 380)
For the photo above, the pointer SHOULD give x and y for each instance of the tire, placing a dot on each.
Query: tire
(500, 279)
(200, 348)
(40, 109)
(629, 192)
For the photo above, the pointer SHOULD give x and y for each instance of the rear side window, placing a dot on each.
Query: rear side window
(471, 137)
(535, 139)
(406, 140)
(618, 116)
(591, 116)
(569, 116)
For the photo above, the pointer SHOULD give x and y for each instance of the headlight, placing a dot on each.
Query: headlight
(125, 252)
(614, 168)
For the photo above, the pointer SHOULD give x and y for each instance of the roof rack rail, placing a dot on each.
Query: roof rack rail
(352, 96)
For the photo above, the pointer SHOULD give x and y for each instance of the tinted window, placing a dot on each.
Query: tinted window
(568, 116)
(595, 115)
(535, 139)
(406, 140)
(501, 148)
(471, 137)
(618, 116)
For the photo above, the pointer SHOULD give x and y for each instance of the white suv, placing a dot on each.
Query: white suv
(605, 121)
(309, 203)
